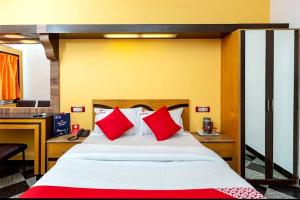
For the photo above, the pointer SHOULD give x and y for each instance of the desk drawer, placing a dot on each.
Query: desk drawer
(56, 150)
(225, 150)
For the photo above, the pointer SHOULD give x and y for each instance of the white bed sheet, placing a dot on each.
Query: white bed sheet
(181, 163)
(143, 140)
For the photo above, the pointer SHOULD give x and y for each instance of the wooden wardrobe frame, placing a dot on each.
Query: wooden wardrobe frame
(233, 100)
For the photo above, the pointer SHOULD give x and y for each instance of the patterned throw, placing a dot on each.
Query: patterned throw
(242, 193)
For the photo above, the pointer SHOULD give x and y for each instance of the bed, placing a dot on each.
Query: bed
(138, 166)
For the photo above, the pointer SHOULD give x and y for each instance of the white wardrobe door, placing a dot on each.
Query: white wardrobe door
(255, 73)
(283, 99)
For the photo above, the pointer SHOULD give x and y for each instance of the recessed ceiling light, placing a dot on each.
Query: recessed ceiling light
(15, 36)
(159, 35)
(145, 35)
(120, 36)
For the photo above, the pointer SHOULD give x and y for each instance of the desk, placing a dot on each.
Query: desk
(41, 127)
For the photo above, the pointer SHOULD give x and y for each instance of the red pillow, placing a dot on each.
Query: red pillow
(115, 124)
(162, 124)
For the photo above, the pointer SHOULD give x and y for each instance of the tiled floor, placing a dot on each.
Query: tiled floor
(255, 168)
(13, 182)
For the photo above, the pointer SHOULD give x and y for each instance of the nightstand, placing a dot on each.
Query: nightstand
(223, 145)
(57, 146)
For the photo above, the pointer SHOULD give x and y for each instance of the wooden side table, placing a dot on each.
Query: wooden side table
(57, 146)
(223, 145)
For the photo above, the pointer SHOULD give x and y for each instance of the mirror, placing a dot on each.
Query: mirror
(25, 76)
(270, 115)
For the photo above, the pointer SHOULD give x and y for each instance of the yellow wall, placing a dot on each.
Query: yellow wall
(123, 69)
(140, 69)
(133, 11)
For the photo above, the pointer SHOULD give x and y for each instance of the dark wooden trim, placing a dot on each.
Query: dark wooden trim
(143, 106)
(183, 31)
(269, 95)
(272, 181)
(277, 167)
(296, 103)
(227, 158)
(156, 28)
(51, 45)
(52, 159)
(102, 106)
(23, 29)
(184, 105)
(243, 141)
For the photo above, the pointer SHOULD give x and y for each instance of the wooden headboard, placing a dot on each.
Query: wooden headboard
(149, 104)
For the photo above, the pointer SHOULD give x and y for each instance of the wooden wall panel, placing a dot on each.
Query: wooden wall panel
(231, 92)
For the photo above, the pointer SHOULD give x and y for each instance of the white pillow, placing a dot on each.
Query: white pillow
(130, 113)
(175, 114)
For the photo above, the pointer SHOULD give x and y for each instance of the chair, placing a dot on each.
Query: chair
(43, 104)
(9, 150)
(26, 103)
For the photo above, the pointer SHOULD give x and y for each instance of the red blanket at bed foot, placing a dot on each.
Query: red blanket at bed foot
(69, 192)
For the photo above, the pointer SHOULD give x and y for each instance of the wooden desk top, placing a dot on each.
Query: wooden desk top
(23, 116)
(212, 139)
(64, 139)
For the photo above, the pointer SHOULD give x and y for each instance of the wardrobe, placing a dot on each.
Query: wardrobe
(259, 102)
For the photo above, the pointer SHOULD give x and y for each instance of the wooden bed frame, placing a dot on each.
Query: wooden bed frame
(149, 104)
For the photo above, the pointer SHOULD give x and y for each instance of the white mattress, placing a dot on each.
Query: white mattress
(143, 140)
(140, 162)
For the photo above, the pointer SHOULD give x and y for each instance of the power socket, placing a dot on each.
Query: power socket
(202, 109)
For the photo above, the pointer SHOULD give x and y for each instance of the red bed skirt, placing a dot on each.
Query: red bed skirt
(69, 192)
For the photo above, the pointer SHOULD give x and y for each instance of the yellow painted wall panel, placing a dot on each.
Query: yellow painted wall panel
(133, 11)
(141, 69)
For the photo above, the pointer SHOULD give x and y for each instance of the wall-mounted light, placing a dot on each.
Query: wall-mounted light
(139, 36)
(14, 36)
(160, 35)
(2, 42)
(120, 36)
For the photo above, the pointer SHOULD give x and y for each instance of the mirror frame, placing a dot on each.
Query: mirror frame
(50, 42)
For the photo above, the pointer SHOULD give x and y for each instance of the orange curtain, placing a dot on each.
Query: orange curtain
(9, 77)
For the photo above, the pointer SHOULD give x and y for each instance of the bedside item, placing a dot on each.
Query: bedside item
(75, 128)
(207, 125)
(80, 133)
(61, 124)
(213, 133)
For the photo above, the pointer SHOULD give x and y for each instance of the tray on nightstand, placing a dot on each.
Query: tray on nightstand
(202, 133)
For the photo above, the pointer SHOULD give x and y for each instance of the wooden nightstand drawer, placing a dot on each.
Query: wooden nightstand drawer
(56, 150)
(225, 150)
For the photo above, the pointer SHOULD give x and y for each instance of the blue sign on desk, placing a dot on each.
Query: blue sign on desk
(61, 124)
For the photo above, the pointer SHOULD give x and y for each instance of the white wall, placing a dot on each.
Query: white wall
(36, 72)
(285, 11)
